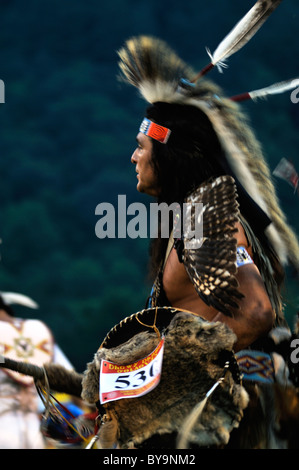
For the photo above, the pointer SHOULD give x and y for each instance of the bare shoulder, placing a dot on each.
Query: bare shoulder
(241, 236)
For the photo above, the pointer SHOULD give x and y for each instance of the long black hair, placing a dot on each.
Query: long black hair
(192, 155)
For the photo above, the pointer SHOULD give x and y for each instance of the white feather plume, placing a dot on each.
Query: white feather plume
(244, 30)
(10, 298)
(275, 89)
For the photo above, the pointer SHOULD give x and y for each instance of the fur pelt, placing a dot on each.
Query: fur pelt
(63, 380)
(191, 366)
(58, 377)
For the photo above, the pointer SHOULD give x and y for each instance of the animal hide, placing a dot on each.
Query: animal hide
(192, 363)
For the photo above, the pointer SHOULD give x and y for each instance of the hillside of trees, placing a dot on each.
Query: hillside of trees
(67, 132)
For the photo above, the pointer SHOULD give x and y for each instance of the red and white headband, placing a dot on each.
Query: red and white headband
(155, 131)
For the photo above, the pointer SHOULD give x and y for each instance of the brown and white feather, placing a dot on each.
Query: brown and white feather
(212, 267)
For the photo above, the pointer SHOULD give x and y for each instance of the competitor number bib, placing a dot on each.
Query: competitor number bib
(133, 380)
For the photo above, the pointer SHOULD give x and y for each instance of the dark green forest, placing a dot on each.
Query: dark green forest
(67, 132)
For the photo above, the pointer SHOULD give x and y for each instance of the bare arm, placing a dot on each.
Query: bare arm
(252, 320)
(255, 316)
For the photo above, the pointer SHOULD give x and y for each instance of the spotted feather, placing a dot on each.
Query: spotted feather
(212, 267)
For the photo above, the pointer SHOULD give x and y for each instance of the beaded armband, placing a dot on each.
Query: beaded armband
(243, 257)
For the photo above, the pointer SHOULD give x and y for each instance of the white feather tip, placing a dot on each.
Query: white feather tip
(244, 30)
(275, 89)
(10, 298)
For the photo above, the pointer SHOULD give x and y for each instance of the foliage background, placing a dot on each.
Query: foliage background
(67, 131)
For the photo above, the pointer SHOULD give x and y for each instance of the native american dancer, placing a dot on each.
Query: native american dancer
(208, 362)
(28, 340)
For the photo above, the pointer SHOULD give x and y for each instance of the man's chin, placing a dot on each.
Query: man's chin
(150, 192)
(140, 188)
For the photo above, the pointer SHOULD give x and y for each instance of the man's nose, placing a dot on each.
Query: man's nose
(133, 157)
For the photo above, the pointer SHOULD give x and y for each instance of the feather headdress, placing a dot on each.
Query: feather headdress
(156, 71)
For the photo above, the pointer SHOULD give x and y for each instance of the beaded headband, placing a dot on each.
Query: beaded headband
(155, 131)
